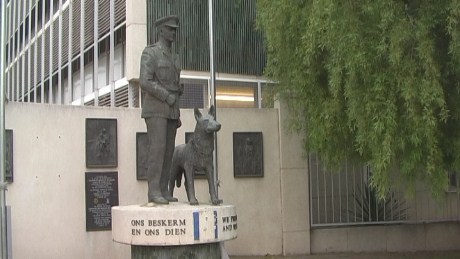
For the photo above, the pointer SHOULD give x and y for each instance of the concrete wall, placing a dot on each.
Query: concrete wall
(294, 189)
(387, 238)
(136, 36)
(47, 197)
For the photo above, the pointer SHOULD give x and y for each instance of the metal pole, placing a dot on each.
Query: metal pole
(213, 83)
(211, 55)
(3, 246)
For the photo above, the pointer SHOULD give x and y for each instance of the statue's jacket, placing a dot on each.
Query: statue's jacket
(159, 77)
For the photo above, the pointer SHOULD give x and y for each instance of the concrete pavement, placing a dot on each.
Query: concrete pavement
(414, 255)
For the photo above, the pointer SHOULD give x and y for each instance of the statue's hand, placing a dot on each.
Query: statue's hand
(171, 99)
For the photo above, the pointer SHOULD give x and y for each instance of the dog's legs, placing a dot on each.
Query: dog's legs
(212, 185)
(175, 171)
(186, 186)
(190, 185)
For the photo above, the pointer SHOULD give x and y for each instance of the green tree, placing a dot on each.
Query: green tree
(376, 81)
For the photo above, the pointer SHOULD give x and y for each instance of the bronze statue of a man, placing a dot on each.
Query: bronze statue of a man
(159, 81)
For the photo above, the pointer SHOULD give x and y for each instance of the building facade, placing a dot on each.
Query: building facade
(75, 52)
(79, 54)
(64, 52)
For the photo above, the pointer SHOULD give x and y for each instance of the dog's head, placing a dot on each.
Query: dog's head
(207, 122)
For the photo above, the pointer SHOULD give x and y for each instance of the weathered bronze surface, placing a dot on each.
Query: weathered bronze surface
(197, 156)
(159, 81)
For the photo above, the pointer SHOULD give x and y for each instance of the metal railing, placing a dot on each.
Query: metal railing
(345, 198)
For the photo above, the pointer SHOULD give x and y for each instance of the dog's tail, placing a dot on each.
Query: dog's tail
(179, 179)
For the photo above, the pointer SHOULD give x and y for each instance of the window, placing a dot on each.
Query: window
(55, 6)
(236, 94)
(32, 19)
(194, 95)
(47, 10)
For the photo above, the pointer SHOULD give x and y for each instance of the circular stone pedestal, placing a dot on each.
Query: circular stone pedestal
(155, 229)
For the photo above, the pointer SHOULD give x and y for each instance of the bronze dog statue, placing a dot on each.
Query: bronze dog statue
(196, 156)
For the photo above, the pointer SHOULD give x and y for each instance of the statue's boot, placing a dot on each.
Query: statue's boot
(170, 198)
(165, 191)
(159, 199)
(154, 192)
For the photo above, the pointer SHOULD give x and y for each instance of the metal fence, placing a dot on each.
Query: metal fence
(345, 198)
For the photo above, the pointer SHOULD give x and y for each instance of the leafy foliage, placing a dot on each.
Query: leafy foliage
(376, 81)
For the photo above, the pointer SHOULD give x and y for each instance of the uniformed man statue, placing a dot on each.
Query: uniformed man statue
(159, 81)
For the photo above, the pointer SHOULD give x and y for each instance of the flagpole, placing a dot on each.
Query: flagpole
(3, 247)
(212, 83)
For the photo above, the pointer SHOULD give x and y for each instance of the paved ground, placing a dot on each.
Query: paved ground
(418, 255)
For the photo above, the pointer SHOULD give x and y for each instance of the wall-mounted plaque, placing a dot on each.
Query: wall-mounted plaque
(101, 191)
(142, 151)
(9, 156)
(101, 143)
(248, 154)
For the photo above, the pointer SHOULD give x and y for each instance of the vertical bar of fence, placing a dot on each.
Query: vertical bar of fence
(354, 191)
(391, 207)
(332, 197)
(310, 188)
(384, 207)
(399, 212)
(362, 196)
(317, 187)
(346, 185)
(368, 194)
(325, 194)
(340, 196)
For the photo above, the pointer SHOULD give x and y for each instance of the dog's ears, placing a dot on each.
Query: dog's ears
(212, 111)
(197, 113)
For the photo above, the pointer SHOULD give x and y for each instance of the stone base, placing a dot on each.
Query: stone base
(211, 250)
(176, 224)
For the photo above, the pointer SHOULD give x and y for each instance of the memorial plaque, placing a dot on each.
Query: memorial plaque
(248, 154)
(142, 151)
(101, 143)
(9, 156)
(101, 191)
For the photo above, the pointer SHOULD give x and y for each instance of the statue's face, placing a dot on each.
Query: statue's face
(168, 33)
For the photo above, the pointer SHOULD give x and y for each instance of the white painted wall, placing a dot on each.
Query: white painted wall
(47, 197)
